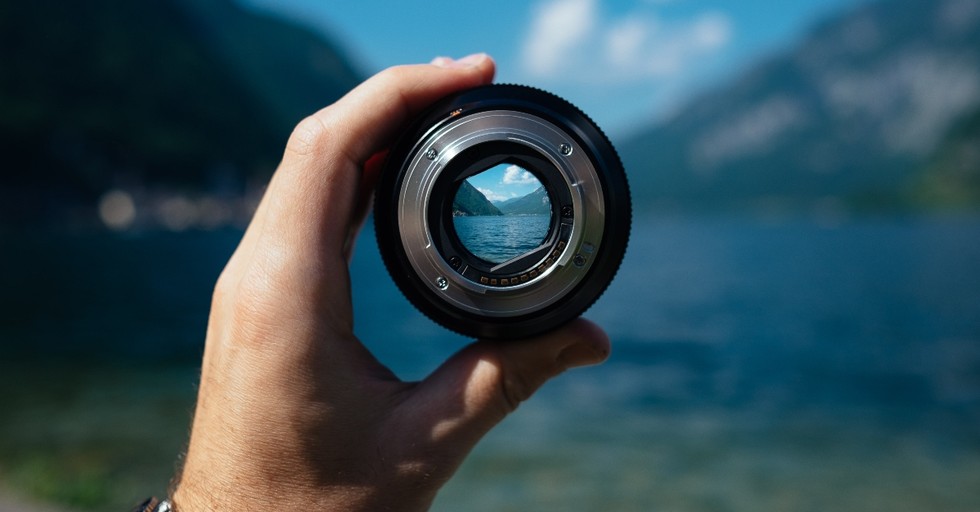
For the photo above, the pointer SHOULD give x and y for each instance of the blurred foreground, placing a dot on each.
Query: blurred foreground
(757, 365)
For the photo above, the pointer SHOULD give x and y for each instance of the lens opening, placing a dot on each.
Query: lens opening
(519, 266)
(502, 213)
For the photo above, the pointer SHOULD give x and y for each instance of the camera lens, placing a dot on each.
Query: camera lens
(503, 212)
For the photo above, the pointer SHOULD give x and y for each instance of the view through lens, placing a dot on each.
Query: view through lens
(501, 213)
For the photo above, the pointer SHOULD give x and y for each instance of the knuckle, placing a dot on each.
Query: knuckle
(307, 137)
(515, 389)
(224, 288)
(518, 385)
(394, 74)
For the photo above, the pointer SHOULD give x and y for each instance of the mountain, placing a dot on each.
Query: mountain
(166, 94)
(535, 203)
(471, 202)
(855, 116)
(952, 175)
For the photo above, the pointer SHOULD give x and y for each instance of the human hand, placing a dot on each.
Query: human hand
(293, 412)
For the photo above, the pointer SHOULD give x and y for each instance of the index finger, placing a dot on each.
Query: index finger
(313, 193)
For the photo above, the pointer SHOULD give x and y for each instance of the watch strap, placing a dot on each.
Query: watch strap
(154, 505)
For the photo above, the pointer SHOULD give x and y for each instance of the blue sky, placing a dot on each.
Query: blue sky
(504, 181)
(626, 63)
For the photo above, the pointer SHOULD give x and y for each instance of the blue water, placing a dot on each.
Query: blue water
(741, 313)
(756, 365)
(497, 238)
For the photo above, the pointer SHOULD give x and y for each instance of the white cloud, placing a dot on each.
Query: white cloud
(493, 196)
(669, 52)
(710, 31)
(559, 27)
(570, 40)
(625, 41)
(515, 175)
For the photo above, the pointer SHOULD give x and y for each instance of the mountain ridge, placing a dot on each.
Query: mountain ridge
(852, 115)
(469, 201)
(174, 95)
(535, 203)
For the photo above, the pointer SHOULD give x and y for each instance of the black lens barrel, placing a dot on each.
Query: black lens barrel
(613, 208)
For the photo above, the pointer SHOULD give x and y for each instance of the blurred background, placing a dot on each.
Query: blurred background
(796, 325)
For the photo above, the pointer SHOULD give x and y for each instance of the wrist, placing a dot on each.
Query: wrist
(189, 496)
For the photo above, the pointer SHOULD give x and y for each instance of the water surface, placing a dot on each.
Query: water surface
(498, 238)
(755, 366)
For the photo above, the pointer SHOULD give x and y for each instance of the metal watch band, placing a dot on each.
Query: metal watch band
(154, 505)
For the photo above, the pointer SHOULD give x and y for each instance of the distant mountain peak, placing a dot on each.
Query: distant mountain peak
(535, 203)
(178, 96)
(856, 109)
(469, 201)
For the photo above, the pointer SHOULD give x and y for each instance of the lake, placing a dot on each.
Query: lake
(498, 238)
(778, 364)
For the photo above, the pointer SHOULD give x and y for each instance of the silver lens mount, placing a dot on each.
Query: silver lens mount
(560, 272)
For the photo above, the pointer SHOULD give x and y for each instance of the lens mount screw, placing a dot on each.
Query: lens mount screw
(579, 260)
(565, 149)
(566, 211)
(442, 283)
(431, 154)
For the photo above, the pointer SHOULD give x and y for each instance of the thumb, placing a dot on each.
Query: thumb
(477, 388)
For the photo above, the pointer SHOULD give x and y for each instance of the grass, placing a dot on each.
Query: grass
(92, 437)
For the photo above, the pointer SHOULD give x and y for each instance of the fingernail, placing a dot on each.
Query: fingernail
(472, 60)
(466, 62)
(582, 354)
(442, 62)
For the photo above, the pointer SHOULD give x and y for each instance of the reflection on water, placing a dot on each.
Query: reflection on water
(755, 367)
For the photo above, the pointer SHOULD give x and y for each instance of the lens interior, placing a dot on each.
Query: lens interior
(502, 212)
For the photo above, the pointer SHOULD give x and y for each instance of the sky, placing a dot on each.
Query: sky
(504, 181)
(626, 63)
